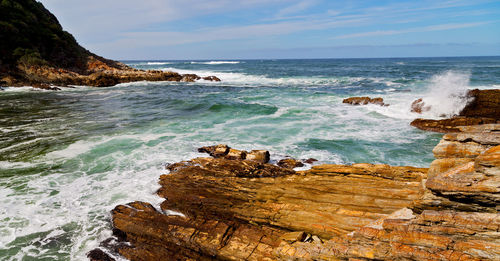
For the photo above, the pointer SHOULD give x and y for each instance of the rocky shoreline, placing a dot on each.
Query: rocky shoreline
(243, 208)
(36, 51)
(484, 108)
(98, 74)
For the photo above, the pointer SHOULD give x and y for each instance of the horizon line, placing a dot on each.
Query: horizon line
(326, 58)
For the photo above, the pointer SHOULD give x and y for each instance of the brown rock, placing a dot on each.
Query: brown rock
(261, 156)
(290, 163)
(485, 104)
(216, 151)
(99, 255)
(246, 210)
(235, 154)
(212, 78)
(483, 109)
(190, 78)
(235, 206)
(364, 101)
(45, 86)
(310, 160)
(418, 106)
(449, 125)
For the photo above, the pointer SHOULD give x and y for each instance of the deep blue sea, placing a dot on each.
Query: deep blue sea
(68, 157)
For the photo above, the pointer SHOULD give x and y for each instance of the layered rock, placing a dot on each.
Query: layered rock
(486, 103)
(243, 209)
(364, 101)
(237, 209)
(484, 108)
(456, 219)
(450, 125)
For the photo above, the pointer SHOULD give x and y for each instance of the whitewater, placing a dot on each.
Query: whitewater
(68, 157)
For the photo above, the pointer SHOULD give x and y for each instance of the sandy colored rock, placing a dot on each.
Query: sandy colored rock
(450, 125)
(261, 156)
(290, 163)
(236, 209)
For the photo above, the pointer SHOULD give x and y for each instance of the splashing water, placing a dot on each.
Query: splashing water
(67, 158)
(447, 94)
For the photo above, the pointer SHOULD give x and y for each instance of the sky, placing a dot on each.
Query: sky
(274, 29)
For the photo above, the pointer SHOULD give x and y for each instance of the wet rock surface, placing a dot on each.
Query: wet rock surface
(419, 106)
(364, 101)
(238, 209)
(484, 108)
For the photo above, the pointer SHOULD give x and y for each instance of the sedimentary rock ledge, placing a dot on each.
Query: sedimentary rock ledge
(98, 74)
(240, 209)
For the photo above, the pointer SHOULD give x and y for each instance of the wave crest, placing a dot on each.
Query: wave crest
(447, 94)
(216, 62)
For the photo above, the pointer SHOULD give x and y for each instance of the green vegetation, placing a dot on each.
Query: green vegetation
(31, 35)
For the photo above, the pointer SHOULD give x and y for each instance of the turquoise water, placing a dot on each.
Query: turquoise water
(68, 157)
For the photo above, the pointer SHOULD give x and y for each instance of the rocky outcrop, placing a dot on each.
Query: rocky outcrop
(484, 108)
(230, 208)
(456, 219)
(35, 51)
(419, 106)
(486, 103)
(364, 101)
(450, 125)
(290, 163)
(224, 151)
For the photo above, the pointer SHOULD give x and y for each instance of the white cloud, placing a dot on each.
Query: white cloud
(295, 8)
(441, 27)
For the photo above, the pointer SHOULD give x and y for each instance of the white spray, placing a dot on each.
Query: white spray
(447, 94)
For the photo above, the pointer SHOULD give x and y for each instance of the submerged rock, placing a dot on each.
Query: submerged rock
(364, 101)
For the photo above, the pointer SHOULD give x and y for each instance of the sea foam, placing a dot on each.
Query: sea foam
(447, 94)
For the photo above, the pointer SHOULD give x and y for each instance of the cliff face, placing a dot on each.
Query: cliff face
(35, 50)
(240, 209)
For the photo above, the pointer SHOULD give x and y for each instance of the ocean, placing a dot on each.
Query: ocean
(69, 157)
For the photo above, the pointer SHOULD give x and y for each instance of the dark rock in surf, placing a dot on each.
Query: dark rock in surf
(483, 109)
(290, 163)
(212, 78)
(310, 160)
(418, 106)
(190, 78)
(45, 86)
(364, 101)
(99, 255)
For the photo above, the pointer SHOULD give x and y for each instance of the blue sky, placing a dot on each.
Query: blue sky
(256, 29)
